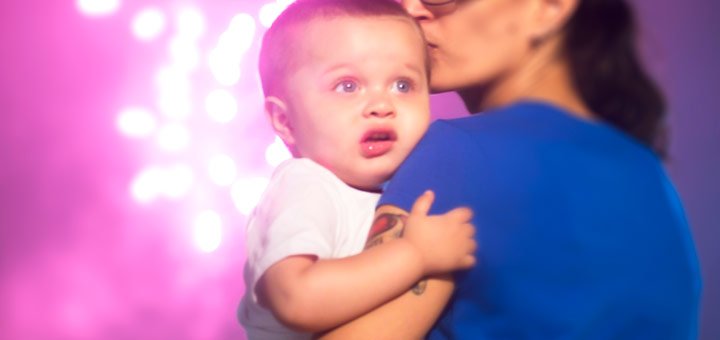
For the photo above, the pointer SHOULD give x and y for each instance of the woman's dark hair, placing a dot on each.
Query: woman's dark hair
(601, 47)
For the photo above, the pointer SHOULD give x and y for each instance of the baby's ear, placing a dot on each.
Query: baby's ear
(277, 112)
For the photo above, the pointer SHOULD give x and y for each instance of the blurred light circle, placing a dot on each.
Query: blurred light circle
(277, 153)
(246, 193)
(146, 186)
(240, 34)
(190, 23)
(222, 170)
(225, 70)
(136, 122)
(221, 106)
(269, 12)
(225, 59)
(175, 105)
(173, 137)
(207, 231)
(184, 52)
(98, 7)
(171, 79)
(177, 181)
(148, 24)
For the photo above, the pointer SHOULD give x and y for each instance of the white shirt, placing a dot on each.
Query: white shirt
(305, 210)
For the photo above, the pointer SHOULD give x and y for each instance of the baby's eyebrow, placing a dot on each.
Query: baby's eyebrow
(334, 68)
(419, 70)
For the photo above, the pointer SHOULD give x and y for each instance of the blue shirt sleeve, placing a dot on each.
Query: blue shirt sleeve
(435, 164)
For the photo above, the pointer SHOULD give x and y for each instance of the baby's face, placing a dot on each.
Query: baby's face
(359, 101)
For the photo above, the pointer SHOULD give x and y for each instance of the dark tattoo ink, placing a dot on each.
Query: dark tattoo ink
(420, 287)
(387, 227)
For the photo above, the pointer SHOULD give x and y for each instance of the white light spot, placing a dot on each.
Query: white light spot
(173, 137)
(146, 186)
(148, 24)
(98, 7)
(270, 12)
(277, 153)
(184, 52)
(136, 122)
(173, 80)
(177, 181)
(224, 60)
(174, 92)
(207, 231)
(221, 106)
(190, 23)
(239, 36)
(246, 193)
(224, 68)
(175, 105)
(222, 170)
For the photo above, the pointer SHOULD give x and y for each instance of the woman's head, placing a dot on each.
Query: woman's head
(494, 52)
(485, 42)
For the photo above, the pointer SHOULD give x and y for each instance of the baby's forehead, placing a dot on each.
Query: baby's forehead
(327, 25)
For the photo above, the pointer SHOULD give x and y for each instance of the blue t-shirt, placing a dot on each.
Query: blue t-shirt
(581, 233)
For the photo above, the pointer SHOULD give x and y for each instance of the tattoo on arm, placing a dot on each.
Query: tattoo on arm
(386, 227)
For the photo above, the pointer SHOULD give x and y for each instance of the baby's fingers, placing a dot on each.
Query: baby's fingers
(460, 214)
(423, 203)
(468, 261)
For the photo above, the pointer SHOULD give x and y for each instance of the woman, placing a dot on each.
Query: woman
(581, 233)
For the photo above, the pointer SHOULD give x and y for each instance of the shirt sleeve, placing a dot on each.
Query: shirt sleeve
(435, 164)
(297, 216)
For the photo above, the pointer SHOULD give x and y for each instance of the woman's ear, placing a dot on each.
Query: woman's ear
(277, 113)
(550, 17)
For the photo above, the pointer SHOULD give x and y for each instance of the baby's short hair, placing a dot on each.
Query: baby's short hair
(279, 46)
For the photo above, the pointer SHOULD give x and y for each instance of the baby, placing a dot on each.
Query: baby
(346, 89)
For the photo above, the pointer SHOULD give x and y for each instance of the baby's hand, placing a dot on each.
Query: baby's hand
(444, 242)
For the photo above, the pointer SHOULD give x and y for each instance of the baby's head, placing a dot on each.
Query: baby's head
(346, 85)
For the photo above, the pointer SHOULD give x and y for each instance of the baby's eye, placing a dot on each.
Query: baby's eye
(403, 86)
(346, 86)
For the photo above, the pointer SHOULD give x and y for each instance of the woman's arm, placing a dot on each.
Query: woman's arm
(316, 295)
(409, 316)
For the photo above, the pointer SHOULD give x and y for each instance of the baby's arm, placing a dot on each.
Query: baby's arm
(409, 316)
(315, 295)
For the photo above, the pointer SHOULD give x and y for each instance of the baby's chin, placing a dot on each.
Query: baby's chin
(372, 185)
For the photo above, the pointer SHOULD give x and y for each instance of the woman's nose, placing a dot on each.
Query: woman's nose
(417, 9)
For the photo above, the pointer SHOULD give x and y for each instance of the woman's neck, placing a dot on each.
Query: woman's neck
(544, 76)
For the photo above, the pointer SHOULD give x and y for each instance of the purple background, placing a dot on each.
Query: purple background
(80, 259)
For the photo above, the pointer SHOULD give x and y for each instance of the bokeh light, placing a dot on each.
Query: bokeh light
(207, 231)
(224, 60)
(98, 7)
(190, 23)
(177, 181)
(148, 24)
(184, 52)
(221, 106)
(136, 122)
(222, 170)
(147, 185)
(270, 11)
(173, 137)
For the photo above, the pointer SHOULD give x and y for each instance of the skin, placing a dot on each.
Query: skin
(496, 52)
(355, 81)
(360, 76)
(492, 53)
